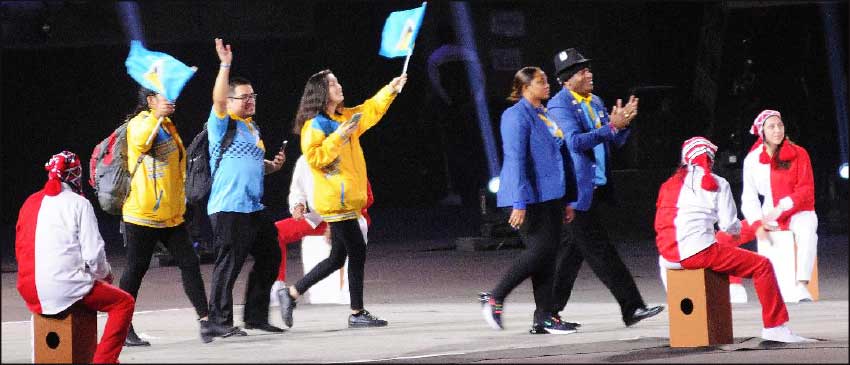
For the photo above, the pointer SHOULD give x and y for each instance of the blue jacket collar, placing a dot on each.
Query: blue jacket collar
(531, 108)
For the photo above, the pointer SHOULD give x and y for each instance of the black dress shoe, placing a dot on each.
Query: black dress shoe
(133, 339)
(641, 314)
(263, 327)
(211, 330)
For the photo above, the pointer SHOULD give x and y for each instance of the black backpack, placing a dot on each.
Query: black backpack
(198, 176)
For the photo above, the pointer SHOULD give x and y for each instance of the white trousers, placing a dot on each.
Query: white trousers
(805, 227)
(663, 265)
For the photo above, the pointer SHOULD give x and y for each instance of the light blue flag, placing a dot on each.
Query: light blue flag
(400, 32)
(157, 71)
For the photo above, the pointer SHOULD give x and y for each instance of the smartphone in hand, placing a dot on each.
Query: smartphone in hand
(355, 118)
(283, 145)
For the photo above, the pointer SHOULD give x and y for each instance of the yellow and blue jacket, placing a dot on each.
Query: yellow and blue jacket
(337, 163)
(157, 198)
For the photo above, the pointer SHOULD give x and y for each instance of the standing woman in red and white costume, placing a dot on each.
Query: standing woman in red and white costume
(61, 260)
(780, 171)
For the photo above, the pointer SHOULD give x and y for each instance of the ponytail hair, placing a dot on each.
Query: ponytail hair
(522, 78)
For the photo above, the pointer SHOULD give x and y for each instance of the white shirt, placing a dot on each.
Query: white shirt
(697, 210)
(757, 182)
(68, 252)
(301, 191)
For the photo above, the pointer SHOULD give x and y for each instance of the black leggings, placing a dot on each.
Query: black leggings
(141, 241)
(346, 240)
(540, 234)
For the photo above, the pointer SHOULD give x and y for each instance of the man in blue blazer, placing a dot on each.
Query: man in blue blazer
(589, 132)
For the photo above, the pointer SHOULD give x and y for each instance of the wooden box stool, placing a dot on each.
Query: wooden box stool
(782, 253)
(700, 313)
(67, 337)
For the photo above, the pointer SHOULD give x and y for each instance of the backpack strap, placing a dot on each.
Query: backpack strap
(138, 163)
(226, 142)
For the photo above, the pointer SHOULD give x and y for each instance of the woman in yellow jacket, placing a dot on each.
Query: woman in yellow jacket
(330, 141)
(153, 211)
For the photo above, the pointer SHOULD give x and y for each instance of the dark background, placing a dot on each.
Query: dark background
(65, 87)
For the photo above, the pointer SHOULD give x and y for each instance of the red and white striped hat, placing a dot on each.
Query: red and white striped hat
(699, 151)
(758, 123)
(63, 167)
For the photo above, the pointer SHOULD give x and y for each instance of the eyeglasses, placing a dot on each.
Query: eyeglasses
(245, 97)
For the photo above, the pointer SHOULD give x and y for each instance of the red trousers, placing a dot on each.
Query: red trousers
(289, 231)
(744, 263)
(118, 306)
(725, 239)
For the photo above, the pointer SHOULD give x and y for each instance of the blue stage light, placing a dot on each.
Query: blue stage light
(842, 171)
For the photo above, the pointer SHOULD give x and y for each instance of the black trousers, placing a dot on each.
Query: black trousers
(586, 239)
(235, 236)
(540, 233)
(141, 242)
(346, 240)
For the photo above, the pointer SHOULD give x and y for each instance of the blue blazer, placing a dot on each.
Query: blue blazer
(533, 169)
(568, 114)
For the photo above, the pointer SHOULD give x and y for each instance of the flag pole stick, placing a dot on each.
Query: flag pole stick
(406, 61)
(155, 129)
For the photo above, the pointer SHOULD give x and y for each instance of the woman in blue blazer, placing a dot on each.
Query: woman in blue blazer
(533, 183)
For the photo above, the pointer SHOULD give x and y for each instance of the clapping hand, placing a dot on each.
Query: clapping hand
(622, 116)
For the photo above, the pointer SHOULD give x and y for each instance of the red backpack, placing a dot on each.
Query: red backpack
(108, 173)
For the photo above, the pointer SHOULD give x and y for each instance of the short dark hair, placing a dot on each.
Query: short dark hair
(237, 81)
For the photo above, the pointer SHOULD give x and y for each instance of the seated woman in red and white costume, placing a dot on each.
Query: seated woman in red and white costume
(689, 204)
(61, 260)
(305, 222)
(780, 171)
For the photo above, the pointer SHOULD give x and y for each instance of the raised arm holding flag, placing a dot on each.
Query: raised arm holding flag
(399, 35)
(158, 72)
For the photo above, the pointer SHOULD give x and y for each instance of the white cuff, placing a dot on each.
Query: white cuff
(786, 203)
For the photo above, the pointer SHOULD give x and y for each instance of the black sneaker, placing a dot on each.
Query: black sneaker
(133, 339)
(491, 310)
(574, 324)
(553, 325)
(365, 319)
(287, 304)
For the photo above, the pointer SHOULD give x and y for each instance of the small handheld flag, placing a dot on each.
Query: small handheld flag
(157, 71)
(400, 32)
